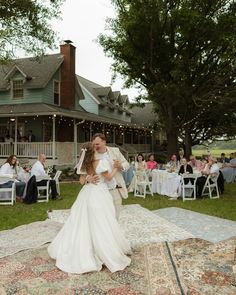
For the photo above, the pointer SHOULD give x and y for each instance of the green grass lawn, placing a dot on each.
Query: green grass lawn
(12, 216)
(214, 152)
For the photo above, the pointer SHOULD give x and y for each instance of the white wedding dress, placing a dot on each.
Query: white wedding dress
(91, 235)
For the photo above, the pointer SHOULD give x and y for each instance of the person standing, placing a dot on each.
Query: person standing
(115, 158)
(91, 236)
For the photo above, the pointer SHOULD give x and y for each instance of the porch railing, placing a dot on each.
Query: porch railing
(26, 149)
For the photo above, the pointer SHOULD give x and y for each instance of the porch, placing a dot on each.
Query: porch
(59, 153)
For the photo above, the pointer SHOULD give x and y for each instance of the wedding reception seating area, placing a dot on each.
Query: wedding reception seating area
(181, 178)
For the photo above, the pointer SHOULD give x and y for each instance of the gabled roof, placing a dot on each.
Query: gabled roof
(98, 92)
(38, 73)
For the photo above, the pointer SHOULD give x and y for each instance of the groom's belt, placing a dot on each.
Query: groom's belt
(117, 187)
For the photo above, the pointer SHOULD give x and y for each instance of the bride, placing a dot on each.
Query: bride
(91, 235)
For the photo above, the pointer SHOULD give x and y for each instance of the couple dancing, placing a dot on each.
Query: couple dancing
(91, 235)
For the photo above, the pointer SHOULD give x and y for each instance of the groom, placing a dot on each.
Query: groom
(117, 185)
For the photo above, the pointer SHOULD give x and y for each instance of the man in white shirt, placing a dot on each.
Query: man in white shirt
(116, 185)
(39, 171)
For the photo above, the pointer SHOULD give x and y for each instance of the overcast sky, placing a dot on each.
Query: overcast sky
(83, 21)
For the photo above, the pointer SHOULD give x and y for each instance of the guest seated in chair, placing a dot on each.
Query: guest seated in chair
(229, 169)
(139, 165)
(9, 170)
(38, 170)
(185, 168)
(173, 165)
(210, 169)
(196, 164)
(151, 163)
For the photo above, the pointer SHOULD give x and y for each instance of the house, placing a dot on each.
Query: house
(62, 109)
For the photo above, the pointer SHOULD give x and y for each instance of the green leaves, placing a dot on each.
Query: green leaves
(182, 52)
(25, 25)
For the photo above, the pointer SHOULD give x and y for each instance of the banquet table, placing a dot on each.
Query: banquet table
(166, 183)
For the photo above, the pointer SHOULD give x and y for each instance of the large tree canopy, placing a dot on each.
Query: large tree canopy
(184, 54)
(25, 24)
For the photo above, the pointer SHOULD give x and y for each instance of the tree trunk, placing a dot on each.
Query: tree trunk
(172, 142)
(188, 143)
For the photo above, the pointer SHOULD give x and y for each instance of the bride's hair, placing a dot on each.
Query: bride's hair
(88, 158)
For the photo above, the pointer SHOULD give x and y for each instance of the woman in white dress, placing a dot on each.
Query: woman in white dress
(91, 235)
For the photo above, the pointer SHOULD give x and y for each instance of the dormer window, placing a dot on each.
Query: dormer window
(17, 89)
(56, 92)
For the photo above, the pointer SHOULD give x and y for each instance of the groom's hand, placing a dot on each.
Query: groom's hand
(117, 164)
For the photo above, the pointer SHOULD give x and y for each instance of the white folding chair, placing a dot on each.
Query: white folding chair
(7, 194)
(43, 190)
(188, 186)
(142, 184)
(56, 178)
(210, 186)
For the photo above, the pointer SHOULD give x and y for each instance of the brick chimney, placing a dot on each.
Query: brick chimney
(67, 91)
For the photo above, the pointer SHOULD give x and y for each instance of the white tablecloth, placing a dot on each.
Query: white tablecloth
(166, 183)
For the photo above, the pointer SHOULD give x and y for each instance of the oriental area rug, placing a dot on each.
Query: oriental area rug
(191, 267)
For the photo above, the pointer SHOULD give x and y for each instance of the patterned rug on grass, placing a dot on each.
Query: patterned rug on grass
(191, 267)
(32, 272)
(206, 268)
(140, 225)
(27, 236)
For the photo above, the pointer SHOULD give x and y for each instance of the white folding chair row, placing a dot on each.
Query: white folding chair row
(188, 186)
(210, 186)
(43, 190)
(142, 184)
(7, 194)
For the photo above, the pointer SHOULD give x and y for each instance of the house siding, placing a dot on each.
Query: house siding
(114, 114)
(88, 103)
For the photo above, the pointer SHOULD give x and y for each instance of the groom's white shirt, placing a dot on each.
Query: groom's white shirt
(114, 153)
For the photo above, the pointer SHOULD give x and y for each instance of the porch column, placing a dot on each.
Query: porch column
(152, 134)
(15, 139)
(124, 136)
(76, 138)
(53, 136)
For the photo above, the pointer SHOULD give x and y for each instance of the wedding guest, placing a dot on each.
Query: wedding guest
(151, 163)
(223, 159)
(211, 169)
(185, 168)
(173, 165)
(195, 164)
(38, 169)
(9, 170)
(229, 170)
(140, 163)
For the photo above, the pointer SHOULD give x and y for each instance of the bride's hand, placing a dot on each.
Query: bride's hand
(92, 179)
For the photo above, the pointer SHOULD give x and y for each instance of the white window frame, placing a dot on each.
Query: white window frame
(13, 89)
(54, 92)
